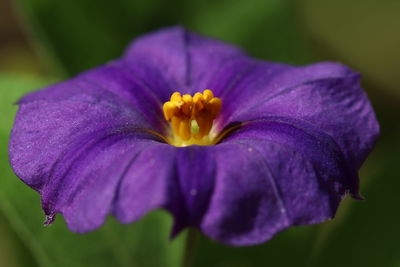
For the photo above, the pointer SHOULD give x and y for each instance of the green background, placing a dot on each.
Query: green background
(43, 41)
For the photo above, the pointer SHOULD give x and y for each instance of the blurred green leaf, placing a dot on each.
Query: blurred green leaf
(266, 29)
(144, 244)
(367, 233)
(361, 33)
(13, 252)
(289, 248)
(84, 34)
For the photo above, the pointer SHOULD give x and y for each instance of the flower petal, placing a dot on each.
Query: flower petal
(191, 63)
(85, 192)
(188, 61)
(149, 183)
(180, 180)
(245, 207)
(127, 86)
(265, 80)
(45, 132)
(326, 95)
(196, 167)
(272, 174)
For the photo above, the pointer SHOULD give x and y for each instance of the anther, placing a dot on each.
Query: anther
(192, 117)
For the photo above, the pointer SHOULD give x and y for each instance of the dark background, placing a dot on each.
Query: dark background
(42, 41)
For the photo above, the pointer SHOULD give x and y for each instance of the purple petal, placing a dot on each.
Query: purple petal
(264, 80)
(245, 207)
(248, 85)
(149, 183)
(273, 174)
(178, 179)
(326, 95)
(44, 132)
(85, 189)
(196, 169)
(188, 61)
(191, 63)
(73, 145)
(126, 86)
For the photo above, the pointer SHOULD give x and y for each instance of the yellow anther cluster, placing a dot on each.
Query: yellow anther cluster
(192, 117)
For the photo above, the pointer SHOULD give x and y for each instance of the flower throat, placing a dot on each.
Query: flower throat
(192, 117)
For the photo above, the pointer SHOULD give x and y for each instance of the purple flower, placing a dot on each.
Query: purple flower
(284, 149)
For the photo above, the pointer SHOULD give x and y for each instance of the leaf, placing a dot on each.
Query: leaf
(367, 233)
(83, 34)
(143, 244)
(295, 242)
(362, 34)
(266, 29)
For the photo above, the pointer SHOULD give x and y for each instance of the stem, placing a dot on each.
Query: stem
(190, 248)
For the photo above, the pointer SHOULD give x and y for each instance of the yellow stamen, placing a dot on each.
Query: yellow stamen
(169, 110)
(208, 95)
(192, 118)
(176, 97)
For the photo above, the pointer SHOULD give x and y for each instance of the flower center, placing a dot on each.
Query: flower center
(192, 118)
